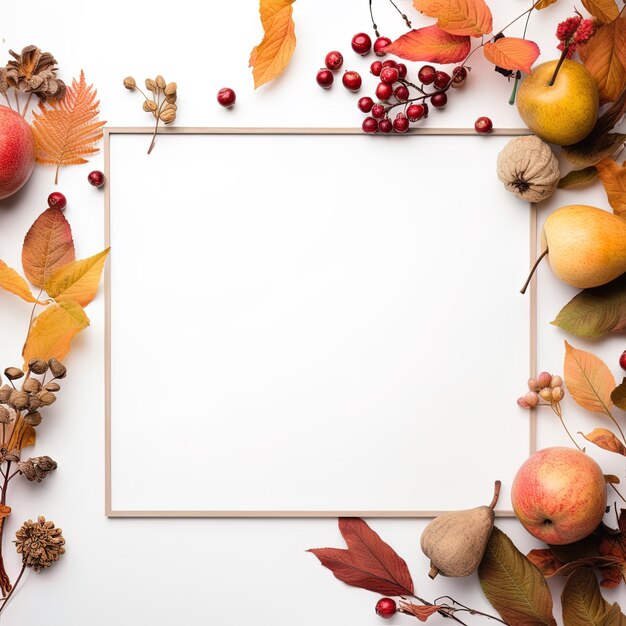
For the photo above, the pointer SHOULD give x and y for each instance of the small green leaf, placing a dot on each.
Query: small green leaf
(513, 585)
(595, 312)
(583, 604)
(579, 178)
(618, 395)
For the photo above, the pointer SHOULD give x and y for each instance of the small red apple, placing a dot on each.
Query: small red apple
(17, 151)
(559, 495)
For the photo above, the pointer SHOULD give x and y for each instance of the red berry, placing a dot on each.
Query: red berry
(441, 79)
(56, 200)
(402, 70)
(226, 97)
(334, 60)
(352, 81)
(378, 111)
(622, 359)
(379, 46)
(390, 63)
(96, 178)
(425, 110)
(386, 607)
(439, 100)
(415, 112)
(375, 68)
(401, 93)
(365, 104)
(325, 78)
(389, 75)
(384, 91)
(401, 123)
(459, 74)
(361, 43)
(483, 125)
(426, 74)
(385, 125)
(370, 125)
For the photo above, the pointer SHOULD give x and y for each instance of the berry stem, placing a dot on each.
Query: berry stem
(518, 75)
(157, 114)
(532, 270)
(467, 608)
(402, 15)
(556, 407)
(558, 65)
(374, 26)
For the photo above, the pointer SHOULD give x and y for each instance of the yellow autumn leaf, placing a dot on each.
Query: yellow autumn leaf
(78, 281)
(542, 4)
(11, 281)
(613, 177)
(270, 58)
(53, 330)
(604, 11)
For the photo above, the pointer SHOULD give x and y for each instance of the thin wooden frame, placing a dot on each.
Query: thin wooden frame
(532, 293)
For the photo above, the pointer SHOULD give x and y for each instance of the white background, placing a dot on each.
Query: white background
(222, 572)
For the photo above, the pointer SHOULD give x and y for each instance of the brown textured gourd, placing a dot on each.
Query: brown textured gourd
(455, 542)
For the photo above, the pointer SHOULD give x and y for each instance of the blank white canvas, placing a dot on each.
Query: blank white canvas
(314, 323)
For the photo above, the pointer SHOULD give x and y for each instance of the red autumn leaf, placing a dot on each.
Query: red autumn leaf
(368, 563)
(512, 53)
(430, 44)
(545, 561)
(422, 612)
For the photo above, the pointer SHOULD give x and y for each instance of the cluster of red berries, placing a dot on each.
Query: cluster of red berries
(572, 32)
(545, 387)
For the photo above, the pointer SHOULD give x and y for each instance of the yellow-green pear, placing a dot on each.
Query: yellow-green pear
(586, 245)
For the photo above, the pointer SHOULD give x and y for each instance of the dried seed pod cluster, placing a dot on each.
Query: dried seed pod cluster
(545, 387)
(162, 104)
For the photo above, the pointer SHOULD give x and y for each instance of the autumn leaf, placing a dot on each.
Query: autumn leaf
(421, 611)
(270, 58)
(466, 17)
(430, 44)
(613, 178)
(588, 380)
(432, 8)
(23, 435)
(583, 604)
(618, 395)
(596, 311)
(611, 479)
(601, 58)
(66, 130)
(545, 560)
(11, 281)
(606, 440)
(368, 563)
(77, 281)
(579, 178)
(53, 330)
(542, 4)
(513, 585)
(604, 11)
(48, 246)
(512, 53)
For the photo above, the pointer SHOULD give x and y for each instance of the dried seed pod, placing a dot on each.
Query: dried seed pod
(19, 400)
(170, 99)
(32, 385)
(52, 387)
(532, 399)
(151, 84)
(34, 402)
(149, 106)
(556, 381)
(13, 373)
(57, 368)
(33, 418)
(544, 379)
(5, 416)
(558, 393)
(46, 397)
(38, 366)
(160, 82)
(167, 117)
(170, 107)
(10, 455)
(533, 385)
(546, 394)
(170, 89)
(129, 82)
(5, 393)
(37, 467)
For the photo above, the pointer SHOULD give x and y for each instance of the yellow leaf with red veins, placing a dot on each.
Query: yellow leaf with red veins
(603, 56)
(512, 53)
(588, 380)
(604, 11)
(613, 177)
(606, 440)
(78, 281)
(466, 17)
(53, 330)
(11, 281)
(270, 58)
(48, 246)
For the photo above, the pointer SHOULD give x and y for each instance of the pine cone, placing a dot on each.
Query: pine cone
(39, 543)
(34, 71)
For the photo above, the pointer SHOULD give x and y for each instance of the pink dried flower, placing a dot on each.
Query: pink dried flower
(567, 28)
(570, 49)
(584, 31)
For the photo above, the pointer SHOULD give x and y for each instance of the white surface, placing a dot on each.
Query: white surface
(316, 319)
(221, 572)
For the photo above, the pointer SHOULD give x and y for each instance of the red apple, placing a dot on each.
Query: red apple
(17, 151)
(559, 495)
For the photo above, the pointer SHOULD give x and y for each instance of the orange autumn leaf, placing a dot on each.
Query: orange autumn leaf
(613, 177)
(602, 56)
(22, 436)
(512, 53)
(604, 11)
(11, 281)
(66, 130)
(606, 440)
(48, 246)
(422, 612)
(430, 44)
(466, 17)
(78, 281)
(270, 58)
(53, 330)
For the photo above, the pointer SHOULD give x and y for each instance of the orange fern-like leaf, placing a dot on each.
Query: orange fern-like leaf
(67, 129)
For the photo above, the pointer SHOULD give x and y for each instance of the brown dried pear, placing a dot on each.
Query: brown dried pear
(455, 542)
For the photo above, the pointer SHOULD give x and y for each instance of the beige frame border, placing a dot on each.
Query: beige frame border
(108, 131)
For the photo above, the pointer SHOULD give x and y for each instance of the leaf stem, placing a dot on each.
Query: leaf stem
(32, 313)
(25, 109)
(13, 588)
(157, 114)
(556, 407)
(616, 490)
(621, 432)
(469, 610)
